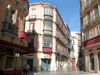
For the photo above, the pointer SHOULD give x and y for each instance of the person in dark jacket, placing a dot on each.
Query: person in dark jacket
(25, 70)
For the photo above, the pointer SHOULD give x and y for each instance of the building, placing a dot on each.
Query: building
(13, 39)
(75, 50)
(47, 33)
(90, 31)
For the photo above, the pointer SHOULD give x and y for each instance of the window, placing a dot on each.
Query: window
(96, 11)
(79, 41)
(20, 63)
(88, 17)
(72, 41)
(79, 36)
(33, 13)
(9, 63)
(48, 13)
(30, 42)
(31, 27)
(47, 42)
(72, 54)
(47, 29)
(72, 47)
(87, 2)
(48, 10)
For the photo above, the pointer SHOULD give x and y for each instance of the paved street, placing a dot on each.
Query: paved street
(64, 72)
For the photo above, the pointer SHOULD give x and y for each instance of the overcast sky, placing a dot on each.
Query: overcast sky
(69, 11)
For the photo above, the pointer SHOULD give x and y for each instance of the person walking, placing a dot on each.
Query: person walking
(25, 70)
(80, 67)
(28, 66)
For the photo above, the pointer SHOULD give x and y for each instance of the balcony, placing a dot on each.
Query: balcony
(23, 35)
(10, 28)
(30, 32)
(32, 17)
(26, 4)
(45, 49)
(94, 18)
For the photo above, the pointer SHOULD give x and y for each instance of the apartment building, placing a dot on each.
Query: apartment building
(90, 31)
(75, 50)
(13, 39)
(47, 33)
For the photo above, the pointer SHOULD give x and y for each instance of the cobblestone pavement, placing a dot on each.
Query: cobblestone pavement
(65, 72)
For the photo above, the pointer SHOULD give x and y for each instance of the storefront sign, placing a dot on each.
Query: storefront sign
(2, 50)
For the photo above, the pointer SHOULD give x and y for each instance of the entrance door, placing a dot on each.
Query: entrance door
(99, 59)
(92, 61)
(45, 64)
(30, 62)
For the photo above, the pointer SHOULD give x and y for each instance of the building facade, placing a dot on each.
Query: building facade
(76, 50)
(90, 31)
(13, 39)
(47, 33)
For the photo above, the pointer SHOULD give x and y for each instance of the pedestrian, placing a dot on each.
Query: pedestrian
(28, 66)
(80, 67)
(25, 70)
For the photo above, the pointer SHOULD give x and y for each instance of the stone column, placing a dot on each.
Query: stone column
(87, 63)
(96, 64)
(53, 62)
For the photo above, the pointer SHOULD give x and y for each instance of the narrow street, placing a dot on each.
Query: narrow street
(65, 72)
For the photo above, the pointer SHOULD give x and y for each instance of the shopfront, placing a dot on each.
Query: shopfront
(11, 62)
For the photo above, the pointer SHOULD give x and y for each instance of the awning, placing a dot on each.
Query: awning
(20, 48)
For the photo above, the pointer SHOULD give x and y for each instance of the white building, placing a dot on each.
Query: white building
(75, 48)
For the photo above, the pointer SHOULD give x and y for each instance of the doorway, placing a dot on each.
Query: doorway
(30, 62)
(99, 59)
(45, 64)
(92, 61)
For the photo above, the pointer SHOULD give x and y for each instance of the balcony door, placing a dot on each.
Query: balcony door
(31, 27)
(96, 11)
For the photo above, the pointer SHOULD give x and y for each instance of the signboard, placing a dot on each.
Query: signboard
(2, 50)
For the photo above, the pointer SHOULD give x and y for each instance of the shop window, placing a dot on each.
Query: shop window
(9, 63)
(47, 42)
(20, 63)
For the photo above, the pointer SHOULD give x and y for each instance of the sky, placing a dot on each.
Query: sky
(69, 11)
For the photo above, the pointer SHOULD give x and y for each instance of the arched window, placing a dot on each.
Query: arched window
(99, 59)
(92, 61)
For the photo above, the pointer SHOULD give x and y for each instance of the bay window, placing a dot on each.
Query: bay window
(47, 42)
(48, 12)
(47, 29)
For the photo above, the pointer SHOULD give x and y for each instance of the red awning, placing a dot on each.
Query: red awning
(3, 42)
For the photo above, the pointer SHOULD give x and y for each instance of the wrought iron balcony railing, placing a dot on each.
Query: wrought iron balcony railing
(8, 27)
(32, 17)
(30, 32)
